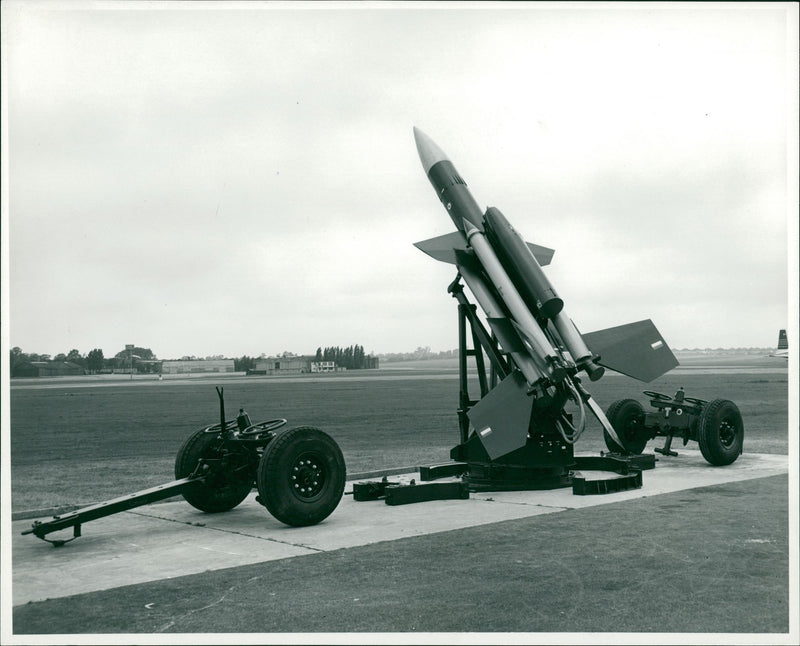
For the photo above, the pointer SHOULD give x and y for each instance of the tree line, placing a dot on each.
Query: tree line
(94, 361)
(419, 353)
(144, 360)
(352, 357)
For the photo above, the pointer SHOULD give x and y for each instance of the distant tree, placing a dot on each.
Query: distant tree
(352, 357)
(347, 358)
(94, 360)
(16, 357)
(358, 357)
(244, 363)
(142, 353)
(76, 357)
(123, 359)
(60, 357)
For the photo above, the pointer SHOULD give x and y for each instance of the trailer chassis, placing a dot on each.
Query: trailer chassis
(299, 473)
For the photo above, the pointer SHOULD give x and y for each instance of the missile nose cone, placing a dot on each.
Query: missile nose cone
(469, 228)
(429, 152)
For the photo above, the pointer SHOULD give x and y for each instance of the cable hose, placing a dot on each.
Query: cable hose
(562, 422)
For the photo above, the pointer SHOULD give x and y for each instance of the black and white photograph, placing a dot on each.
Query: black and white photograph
(399, 322)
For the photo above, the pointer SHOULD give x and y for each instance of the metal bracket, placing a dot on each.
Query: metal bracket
(445, 470)
(395, 493)
(583, 487)
(406, 494)
(616, 462)
(372, 490)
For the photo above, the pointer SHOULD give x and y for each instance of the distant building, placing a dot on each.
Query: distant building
(196, 365)
(47, 369)
(301, 365)
(282, 365)
(323, 366)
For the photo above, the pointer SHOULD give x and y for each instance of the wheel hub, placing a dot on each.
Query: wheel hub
(727, 433)
(307, 476)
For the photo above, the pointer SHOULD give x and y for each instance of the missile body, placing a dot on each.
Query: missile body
(532, 283)
(544, 355)
(494, 312)
(521, 265)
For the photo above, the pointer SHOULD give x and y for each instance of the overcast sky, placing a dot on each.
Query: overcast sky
(231, 179)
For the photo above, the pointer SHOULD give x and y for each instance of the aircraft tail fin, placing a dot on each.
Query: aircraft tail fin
(635, 349)
(783, 341)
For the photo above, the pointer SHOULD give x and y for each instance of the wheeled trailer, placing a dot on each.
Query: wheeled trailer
(716, 426)
(300, 475)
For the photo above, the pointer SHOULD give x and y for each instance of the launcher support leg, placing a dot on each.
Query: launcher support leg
(666, 449)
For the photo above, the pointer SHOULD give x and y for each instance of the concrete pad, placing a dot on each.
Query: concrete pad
(172, 539)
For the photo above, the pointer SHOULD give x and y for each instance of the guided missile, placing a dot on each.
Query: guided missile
(511, 266)
(527, 317)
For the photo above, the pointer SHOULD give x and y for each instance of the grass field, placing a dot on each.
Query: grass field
(82, 442)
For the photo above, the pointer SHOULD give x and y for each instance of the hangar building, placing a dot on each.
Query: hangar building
(196, 365)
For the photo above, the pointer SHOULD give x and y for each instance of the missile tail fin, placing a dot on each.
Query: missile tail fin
(502, 418)
(635, 349)
(542, 254)
(443, 248)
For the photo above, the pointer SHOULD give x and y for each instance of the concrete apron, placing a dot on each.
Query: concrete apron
(171, 539)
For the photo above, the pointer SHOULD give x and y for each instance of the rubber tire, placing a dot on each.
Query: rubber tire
(209, 498)
(712, 446)
(620, 414)
(279, 493)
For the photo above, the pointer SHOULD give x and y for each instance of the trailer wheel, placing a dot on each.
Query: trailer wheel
(223, 490)
(720, 432)
(626, 416)
(301, 476)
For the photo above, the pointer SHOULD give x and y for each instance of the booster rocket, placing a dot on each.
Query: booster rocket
(521, 306)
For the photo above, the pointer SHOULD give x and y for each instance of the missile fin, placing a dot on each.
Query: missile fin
(502, 418)
(635, 349)
(443, 248)
(543, 255)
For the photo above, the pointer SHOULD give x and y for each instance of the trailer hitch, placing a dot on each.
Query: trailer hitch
(77, 517)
